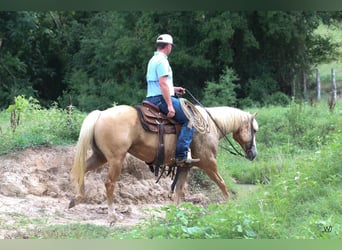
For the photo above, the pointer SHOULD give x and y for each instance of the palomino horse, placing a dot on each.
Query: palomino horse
(114, 132)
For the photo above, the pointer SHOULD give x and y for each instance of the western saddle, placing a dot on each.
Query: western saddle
(152, 120)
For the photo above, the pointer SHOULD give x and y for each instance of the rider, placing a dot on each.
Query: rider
(161, 92)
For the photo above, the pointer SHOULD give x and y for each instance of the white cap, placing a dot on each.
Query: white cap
(165, 38)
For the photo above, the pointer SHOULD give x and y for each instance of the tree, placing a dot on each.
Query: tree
(284, 43)
(15, 28)
(97, 58)
(34, 54)
(108, 67)
(223, 92)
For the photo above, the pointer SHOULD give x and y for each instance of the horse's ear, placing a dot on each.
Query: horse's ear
(255, 114)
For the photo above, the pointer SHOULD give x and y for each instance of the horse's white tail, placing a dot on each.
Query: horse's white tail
(84, 142)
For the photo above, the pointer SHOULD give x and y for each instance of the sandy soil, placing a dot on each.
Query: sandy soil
(35, 187)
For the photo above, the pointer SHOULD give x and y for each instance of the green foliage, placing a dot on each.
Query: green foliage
(20, 104)
(313, 188)
(305, 129)
(278, 99)
(39, 125)
(177, 221)
(331, 32)
(32, 55)
(301, 201)
(284, 134)
(296, 127)
(263, 89)
(298, 178)
(74, 231)
(42, 53)
(221, 93)
(194, 222)
(85, 92)
(12, 81)
(299, 181)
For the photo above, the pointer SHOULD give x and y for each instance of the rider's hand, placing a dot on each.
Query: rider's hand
(171, 112)
(179, 90)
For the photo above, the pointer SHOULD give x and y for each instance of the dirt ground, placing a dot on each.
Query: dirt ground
(35, 186)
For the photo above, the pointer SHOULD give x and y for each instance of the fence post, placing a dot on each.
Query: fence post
(318, 80)
(333, 81)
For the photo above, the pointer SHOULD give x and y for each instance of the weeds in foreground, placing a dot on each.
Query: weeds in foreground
(35, 125)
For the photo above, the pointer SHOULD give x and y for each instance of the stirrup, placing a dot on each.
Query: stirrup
(181, 162)
(187, 160)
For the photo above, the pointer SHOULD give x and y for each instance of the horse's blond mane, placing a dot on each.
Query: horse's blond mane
(227, 118)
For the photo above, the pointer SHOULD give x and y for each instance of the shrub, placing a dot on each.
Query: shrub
(223, 92)
(278, 99)
(40, 126)
(261, 88)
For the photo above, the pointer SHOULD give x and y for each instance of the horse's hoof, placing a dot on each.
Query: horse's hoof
(114, 219)
(171, 195)
(72, 203)
(102, 210)
(111, 224)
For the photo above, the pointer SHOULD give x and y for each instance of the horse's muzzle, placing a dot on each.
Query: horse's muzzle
(251, 153)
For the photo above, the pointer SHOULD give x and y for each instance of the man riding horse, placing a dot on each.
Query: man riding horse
(116, 131)
(161, 92)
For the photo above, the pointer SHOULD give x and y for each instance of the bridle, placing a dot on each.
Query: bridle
(235, 151)
(250, 145)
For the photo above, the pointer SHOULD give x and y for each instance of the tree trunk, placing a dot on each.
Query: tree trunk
(304, 85)
(318, 80)
(294, 87)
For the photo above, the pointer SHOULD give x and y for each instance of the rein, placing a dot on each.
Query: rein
(235, 152)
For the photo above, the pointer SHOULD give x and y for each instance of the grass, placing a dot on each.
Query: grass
(300, 200)
(39, 126)
(74, 231)
(285, 135)
(297, 173)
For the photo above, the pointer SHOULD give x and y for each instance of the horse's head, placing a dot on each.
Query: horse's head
(245, 136)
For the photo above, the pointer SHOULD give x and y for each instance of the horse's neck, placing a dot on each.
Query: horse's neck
(227, 119)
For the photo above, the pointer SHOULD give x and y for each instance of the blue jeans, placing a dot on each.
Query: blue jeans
(186, 133)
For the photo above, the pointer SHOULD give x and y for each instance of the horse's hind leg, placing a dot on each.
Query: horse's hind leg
(115, 166)
(95, 161)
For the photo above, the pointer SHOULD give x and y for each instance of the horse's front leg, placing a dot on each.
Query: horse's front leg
(212, 171)
(182, 177)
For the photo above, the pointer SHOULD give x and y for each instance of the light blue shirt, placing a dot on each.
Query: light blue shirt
(157, 67)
